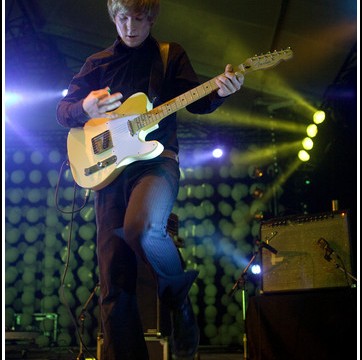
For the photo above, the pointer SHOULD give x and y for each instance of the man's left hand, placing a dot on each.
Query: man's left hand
(229, 82)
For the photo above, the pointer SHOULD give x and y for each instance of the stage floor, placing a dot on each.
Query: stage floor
(20, 351)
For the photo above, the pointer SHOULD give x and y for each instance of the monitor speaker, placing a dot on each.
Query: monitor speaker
(312, 252)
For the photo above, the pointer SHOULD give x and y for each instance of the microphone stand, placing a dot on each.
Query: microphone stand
(241, 284)
(328, 257)
(81, 319)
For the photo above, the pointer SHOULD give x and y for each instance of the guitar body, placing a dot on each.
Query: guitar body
(100, 150)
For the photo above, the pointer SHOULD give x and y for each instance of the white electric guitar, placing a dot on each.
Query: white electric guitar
(99, 151)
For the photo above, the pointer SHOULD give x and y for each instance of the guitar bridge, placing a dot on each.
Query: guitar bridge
(100, 165)
(102, 142)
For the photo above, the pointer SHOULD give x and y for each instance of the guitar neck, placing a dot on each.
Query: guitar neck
(155, 115)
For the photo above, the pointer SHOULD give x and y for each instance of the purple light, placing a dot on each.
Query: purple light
(12, 98)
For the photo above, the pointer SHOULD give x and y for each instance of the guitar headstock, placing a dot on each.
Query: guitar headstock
(265, 61)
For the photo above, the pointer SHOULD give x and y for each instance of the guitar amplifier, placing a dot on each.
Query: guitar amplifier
(312, 252)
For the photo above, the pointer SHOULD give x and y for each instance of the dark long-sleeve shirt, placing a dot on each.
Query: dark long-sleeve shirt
(129, 70)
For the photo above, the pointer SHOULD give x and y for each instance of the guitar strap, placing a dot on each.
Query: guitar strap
(158, 72)
(164, 49)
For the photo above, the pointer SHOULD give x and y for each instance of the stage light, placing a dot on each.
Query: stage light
(255, 269)
(319, 116)
(307, 143)
(217, 153)
(303, 155)
(12, 98)
(257, 190)
(258, 215)
(255, 172)
(64, 92)
(312, 130)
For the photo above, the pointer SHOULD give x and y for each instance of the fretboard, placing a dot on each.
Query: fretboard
(155, 115)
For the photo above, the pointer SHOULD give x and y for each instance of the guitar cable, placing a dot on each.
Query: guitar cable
(72, 212)
(75, 187)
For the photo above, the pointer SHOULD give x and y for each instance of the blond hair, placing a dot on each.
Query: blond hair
(149, 7)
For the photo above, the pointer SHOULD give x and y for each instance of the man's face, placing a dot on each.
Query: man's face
(133, 28)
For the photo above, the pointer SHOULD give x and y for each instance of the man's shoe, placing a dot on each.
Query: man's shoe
(185, 336)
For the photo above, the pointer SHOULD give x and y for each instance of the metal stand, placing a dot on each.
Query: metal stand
(330, 255)
(81, 318)
(241, 284)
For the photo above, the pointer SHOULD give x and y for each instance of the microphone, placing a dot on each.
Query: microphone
(323, 243)
(263, 244)
(271, 235)
(267, 246)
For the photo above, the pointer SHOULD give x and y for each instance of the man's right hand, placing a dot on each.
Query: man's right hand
(99, 102)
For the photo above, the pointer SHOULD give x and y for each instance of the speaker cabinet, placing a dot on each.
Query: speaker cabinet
(313, 252)
(308, 325)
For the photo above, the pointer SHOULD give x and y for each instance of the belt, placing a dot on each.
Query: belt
(169, 154)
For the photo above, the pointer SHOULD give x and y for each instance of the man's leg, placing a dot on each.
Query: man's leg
(145, 226)
(121, 325)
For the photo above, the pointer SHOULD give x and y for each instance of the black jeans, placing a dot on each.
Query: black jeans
(132, 214)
